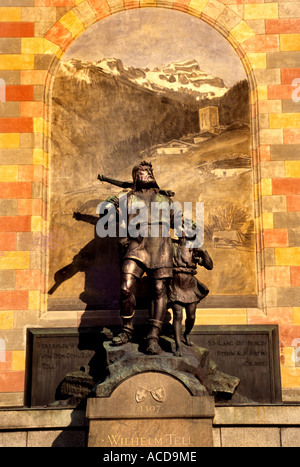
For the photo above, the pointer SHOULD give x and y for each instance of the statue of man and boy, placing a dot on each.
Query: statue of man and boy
(170, 265)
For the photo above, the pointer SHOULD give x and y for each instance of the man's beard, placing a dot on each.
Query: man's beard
(146, 184)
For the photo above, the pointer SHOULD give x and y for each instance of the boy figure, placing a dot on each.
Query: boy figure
(185, 290)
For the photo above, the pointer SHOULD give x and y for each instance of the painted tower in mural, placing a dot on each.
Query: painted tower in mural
(208, 118)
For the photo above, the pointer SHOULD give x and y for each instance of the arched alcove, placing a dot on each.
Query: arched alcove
(235, 31)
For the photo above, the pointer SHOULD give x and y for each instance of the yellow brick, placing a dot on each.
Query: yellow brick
(18, 360)
(146, 3)
(292, 169)
(197, 5)
(221, 316)
(290, 377)
(289, 120)
(266, 186)
(289, 354)
(9, 140)
(287, 256)
(10, 14)
(34, 299)
(14, 260)
(289, 42)
(262, 93)
(261, 11)
(214, 9)
(253, 95)
(241, 32)
(36, 223)
(40, 125)
(71, 22)
(258, 60)
(9, 173)
(296, 316)
(267, 220)
(6, 319)
(16, 62)
(38, 45)
(40, 157)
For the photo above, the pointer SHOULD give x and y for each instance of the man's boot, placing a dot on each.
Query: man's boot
(127, 314)
(153, 347)
(124, 337)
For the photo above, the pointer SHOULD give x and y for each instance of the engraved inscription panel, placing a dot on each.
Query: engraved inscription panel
(248, 354)
(150, 409)
(151, 433)
(50, 358)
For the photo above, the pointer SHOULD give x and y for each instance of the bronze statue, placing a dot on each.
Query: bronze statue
(170, 268)
(185, 290)
(145, 253)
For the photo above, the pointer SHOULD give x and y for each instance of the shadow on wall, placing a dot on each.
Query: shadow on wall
(99, 259)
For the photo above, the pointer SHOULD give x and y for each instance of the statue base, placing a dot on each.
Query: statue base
(150, 401)
(150, 409)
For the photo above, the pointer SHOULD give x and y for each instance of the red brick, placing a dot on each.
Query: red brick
(277, 276)
(100, 8)
(265, 153)
(230, 2)
(4, 366)
(59, 35)
(26, 173)
(287, 334)
(28, 280)
(275, 237)
(277, 315)
(262, 43)
(8, 241)
(12, 381)
(34, 173)
(295, 276)
(58, 3)
(13, 300)
(281, 26)
(30, 207)
(15, 224)
(286, 186)
(279, 91)
(33, 109)
(16, 190)
(128, 4)
(289, 74)
(19, 93)
(16, 125)
(17, 30)
(293, 203)
(291, 136)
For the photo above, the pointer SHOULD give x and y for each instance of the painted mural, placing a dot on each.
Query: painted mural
(163, 86)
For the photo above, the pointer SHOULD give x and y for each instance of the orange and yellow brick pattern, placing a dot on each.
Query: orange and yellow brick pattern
(33, 36)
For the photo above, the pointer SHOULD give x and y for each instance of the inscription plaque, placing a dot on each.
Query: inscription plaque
(249, 352)
(52, 353)
(151, 409)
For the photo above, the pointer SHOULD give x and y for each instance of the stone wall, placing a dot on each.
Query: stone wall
(260, 426)
(34, 36)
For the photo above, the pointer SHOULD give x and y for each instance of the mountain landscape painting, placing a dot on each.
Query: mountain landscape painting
(162, 86)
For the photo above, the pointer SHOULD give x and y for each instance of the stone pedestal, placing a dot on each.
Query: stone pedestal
(151, 409)
(154, 400)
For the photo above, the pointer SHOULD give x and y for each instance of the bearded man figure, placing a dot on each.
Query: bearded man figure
(148, 250)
